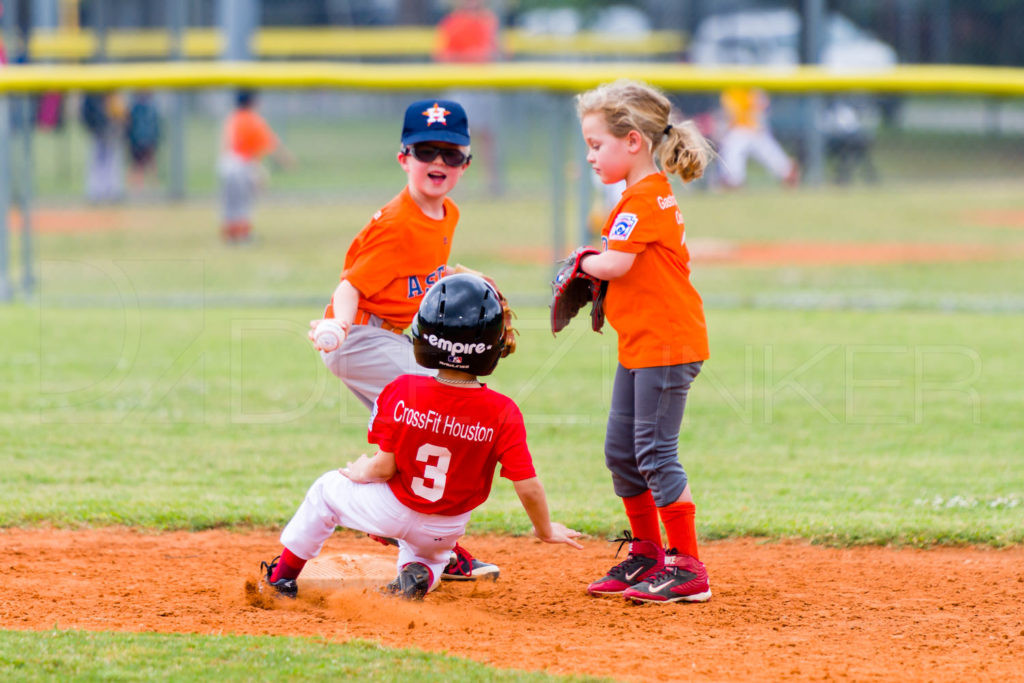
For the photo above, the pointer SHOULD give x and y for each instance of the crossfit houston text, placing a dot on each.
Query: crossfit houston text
(442, 424)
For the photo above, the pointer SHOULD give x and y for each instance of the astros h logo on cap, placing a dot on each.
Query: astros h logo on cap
(436, 114)
(435, 121)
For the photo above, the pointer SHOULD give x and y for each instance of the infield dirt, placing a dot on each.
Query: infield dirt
(780, 611)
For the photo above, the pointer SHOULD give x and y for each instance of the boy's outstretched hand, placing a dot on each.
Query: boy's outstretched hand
(561, 534)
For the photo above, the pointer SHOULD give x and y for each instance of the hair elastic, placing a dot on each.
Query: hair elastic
(667, 129)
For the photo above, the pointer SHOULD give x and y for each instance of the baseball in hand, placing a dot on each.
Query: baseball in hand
(328, 335)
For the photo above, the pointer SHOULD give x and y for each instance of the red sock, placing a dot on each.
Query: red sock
(643, 517)
(680, 527)
(288, 567)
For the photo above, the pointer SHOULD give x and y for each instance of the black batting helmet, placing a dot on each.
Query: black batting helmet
(459, 326)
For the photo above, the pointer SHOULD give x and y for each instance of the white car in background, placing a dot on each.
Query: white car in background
(772, 38)
(617, 20)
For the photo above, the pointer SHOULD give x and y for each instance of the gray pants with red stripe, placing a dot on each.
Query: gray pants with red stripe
(371, 358)
(641, 446)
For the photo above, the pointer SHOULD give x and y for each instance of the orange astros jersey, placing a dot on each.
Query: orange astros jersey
(656, 311)
(397, 257)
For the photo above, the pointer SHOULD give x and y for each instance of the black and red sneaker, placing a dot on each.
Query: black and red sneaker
(287, 588)
(645, 558)
(464, 567)
(683, 579)
(412, 583)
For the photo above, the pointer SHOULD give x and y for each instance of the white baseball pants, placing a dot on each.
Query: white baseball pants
(741, 143)
(335, 500)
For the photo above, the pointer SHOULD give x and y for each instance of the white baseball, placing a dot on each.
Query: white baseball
(328, 335)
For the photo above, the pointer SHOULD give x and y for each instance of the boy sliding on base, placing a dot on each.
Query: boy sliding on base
(399, 255)
(440, 439)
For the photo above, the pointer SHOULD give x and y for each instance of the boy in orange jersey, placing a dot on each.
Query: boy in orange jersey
(246, 139)
(400, 254)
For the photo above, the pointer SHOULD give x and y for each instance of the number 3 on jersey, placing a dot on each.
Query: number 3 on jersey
(436, 474)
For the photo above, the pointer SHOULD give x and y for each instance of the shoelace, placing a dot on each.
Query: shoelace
(269, 568)
(463, 561)
(626, 567)
(631, 562)
(667, 572)
(622, 540)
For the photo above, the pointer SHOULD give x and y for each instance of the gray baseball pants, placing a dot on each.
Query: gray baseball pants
(642, 442)
(238, 187)
(371, 358)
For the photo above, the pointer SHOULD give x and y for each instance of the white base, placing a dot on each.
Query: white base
(333, 571)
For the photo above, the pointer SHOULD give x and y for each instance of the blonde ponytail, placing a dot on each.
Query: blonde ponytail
(684, 151)
(628, 105)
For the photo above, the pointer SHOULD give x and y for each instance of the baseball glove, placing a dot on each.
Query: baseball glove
(572, 289)
(507, 313)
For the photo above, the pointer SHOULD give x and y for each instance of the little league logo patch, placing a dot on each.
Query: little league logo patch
(623, 226)
(436, 114)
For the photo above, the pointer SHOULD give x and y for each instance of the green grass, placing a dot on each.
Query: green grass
(159, 253)
(154, 382)
(159, 379)
(835, 426)
(59, 655)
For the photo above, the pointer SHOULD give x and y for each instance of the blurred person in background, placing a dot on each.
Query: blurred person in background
(469, 34)
(748, 135)
(848, 142)
(246, 139)
(142, 134)
(103, 114)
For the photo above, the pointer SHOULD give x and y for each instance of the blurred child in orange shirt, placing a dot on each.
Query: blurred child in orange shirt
(246, 139)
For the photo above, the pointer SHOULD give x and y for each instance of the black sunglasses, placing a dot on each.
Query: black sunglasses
(427, 153)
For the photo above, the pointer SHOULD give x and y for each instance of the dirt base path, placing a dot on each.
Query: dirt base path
(780, 611)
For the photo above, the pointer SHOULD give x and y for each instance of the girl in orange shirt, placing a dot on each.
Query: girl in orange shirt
(663, 340)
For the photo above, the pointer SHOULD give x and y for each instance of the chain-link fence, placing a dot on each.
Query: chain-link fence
(346, 141)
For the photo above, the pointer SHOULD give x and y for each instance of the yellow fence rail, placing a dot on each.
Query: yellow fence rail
(552, 76)
(398, 41)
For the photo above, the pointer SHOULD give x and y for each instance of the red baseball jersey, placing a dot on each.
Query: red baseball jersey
(447, 442)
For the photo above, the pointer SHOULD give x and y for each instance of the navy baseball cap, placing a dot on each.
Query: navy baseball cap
(435, 121)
